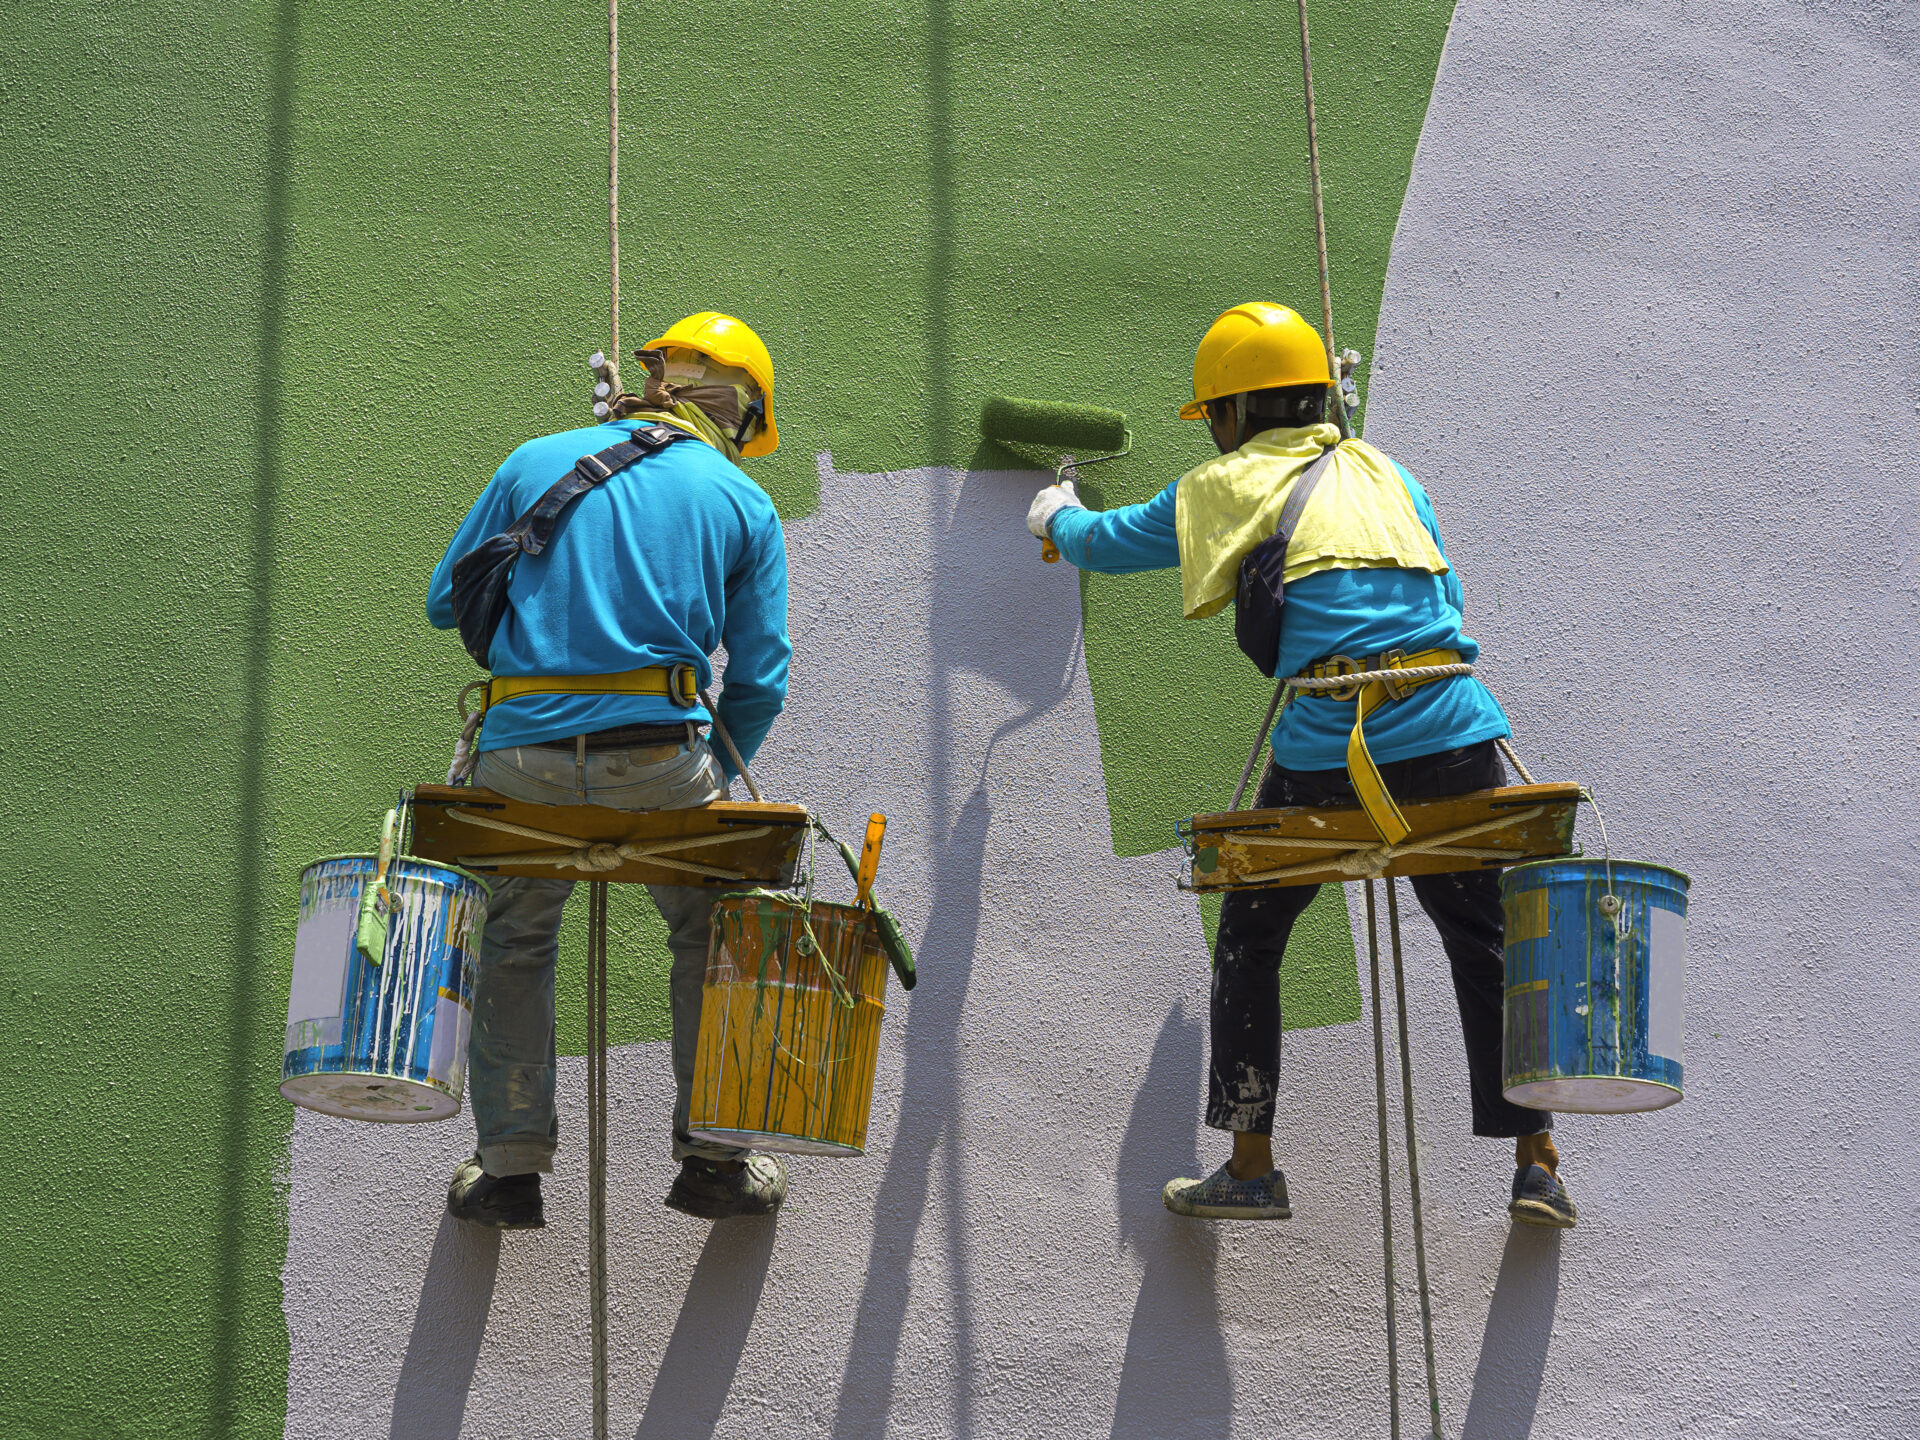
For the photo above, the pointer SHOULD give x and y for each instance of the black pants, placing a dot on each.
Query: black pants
(1254, 925)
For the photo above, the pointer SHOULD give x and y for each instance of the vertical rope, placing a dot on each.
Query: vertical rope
(1386, 1195)
(1413, 1158)
(1320, 223)
(597, 1142)
(613, 172)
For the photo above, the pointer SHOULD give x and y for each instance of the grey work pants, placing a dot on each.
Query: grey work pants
(510, 1058)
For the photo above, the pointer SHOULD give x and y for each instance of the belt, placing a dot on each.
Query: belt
(677, 683)
(644, 742)
(1370, 695)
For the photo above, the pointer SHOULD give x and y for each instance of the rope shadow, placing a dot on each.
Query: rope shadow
(243, 1167)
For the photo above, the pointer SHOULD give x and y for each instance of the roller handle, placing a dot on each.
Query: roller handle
(869, 860)
(1049, 552)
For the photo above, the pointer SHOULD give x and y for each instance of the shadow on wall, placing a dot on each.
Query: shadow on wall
(1513, 1350)
(1174, 1382)
(988, 624)
(240, 1166)
(449, 1322)
(690, 1388)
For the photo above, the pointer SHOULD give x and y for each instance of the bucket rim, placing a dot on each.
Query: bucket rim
(792, 898)
(1600, 863)
(480, 880)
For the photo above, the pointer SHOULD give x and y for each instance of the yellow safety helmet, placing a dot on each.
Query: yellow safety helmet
(1256, 346)
(731, 342)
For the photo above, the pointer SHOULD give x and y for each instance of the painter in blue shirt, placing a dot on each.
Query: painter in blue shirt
(1367, 586)
(671, 558)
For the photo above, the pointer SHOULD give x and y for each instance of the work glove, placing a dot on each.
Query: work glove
(1049, 503)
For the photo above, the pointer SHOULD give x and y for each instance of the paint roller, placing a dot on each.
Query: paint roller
(1059, 427)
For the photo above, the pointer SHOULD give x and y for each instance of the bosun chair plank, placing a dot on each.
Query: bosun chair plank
(1260, 849)
(722, 846)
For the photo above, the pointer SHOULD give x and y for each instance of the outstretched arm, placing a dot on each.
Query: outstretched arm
(1119, 542)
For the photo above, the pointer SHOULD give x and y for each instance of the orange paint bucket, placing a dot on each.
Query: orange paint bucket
(789, 1026)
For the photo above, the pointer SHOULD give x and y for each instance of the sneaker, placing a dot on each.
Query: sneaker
(1540, 1198)
(499, 1202)
(1221, 1197)
(704, 1190)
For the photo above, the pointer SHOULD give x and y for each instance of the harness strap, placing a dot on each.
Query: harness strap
(678, 683)
(1371, 790)
(535, 528)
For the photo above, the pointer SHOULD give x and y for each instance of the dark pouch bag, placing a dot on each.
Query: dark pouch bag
(482, 575)
(1261, 592)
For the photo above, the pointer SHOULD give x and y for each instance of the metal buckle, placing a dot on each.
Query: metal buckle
(1339, 665)
(1391, 660)
(683, 685)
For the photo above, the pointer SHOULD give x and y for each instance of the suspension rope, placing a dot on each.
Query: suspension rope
(1320, 225)
(1413, 1155)
(1386, 1193)
(597, 1142)
(613, 175)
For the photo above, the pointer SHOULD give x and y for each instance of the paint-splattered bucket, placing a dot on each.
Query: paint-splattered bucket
(1594, 972)
(384, 1042)
(789, 1026)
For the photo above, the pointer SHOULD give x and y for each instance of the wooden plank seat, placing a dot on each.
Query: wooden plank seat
(1308, 845)
(724, 846)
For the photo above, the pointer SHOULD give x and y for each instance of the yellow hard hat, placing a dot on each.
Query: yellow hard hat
(731, 342)
(1256, 346)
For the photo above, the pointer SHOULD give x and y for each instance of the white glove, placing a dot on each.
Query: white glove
(1049, 503)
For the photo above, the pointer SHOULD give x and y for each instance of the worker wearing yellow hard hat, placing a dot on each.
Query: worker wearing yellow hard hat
(598, 633)
(1331, 556)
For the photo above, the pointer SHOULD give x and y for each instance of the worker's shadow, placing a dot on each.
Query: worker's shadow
(1174, 1381)
(450, 1321)
(1513, 1348)
(1003, 630)
(716, 1317)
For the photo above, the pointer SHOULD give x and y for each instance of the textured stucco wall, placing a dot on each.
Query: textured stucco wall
(1649, 337)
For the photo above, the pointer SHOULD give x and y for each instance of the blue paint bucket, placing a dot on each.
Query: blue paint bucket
(384, 1042)
(1593, 999)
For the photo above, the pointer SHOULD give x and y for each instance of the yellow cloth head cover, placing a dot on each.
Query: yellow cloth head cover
(731, 342)
(1361, 517)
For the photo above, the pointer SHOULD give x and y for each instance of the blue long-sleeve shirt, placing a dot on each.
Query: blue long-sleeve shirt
(1333, 612)
(669, 560)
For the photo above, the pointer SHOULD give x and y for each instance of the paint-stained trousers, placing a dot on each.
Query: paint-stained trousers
(1244, 1073)
(510, 1058)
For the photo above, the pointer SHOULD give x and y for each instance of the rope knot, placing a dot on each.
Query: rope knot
(598, 857)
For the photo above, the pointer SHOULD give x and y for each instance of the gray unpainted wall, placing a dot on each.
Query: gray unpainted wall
(1649, 339)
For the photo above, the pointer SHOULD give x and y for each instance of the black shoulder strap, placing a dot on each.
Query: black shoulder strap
(1297, 497)
(535, 528)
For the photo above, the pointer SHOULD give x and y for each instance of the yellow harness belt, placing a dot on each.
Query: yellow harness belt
(678, 683)
(1370, 696)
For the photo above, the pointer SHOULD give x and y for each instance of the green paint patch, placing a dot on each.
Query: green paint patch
(1320, 981)
(638, 968)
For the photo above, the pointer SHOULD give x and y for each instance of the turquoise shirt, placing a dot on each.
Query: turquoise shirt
(1334, 612)
(669, 560)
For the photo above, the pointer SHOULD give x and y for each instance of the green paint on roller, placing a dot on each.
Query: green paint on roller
(1077, 428)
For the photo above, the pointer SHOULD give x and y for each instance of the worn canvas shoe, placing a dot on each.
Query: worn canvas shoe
(1541, 1198)
(499, 1202)
(1221, 1197)
(705, 1190)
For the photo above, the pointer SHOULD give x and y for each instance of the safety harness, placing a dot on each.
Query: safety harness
(1369, 696)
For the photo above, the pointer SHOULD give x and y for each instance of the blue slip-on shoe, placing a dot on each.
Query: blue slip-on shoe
(1540, 1198)
(1221, 1197)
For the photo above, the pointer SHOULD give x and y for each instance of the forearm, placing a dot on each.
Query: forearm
(1119, 542)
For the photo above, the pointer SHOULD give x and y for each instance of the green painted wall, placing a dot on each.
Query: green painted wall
(284, 282)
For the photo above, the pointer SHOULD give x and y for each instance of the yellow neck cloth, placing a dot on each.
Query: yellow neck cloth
(1361, 516)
